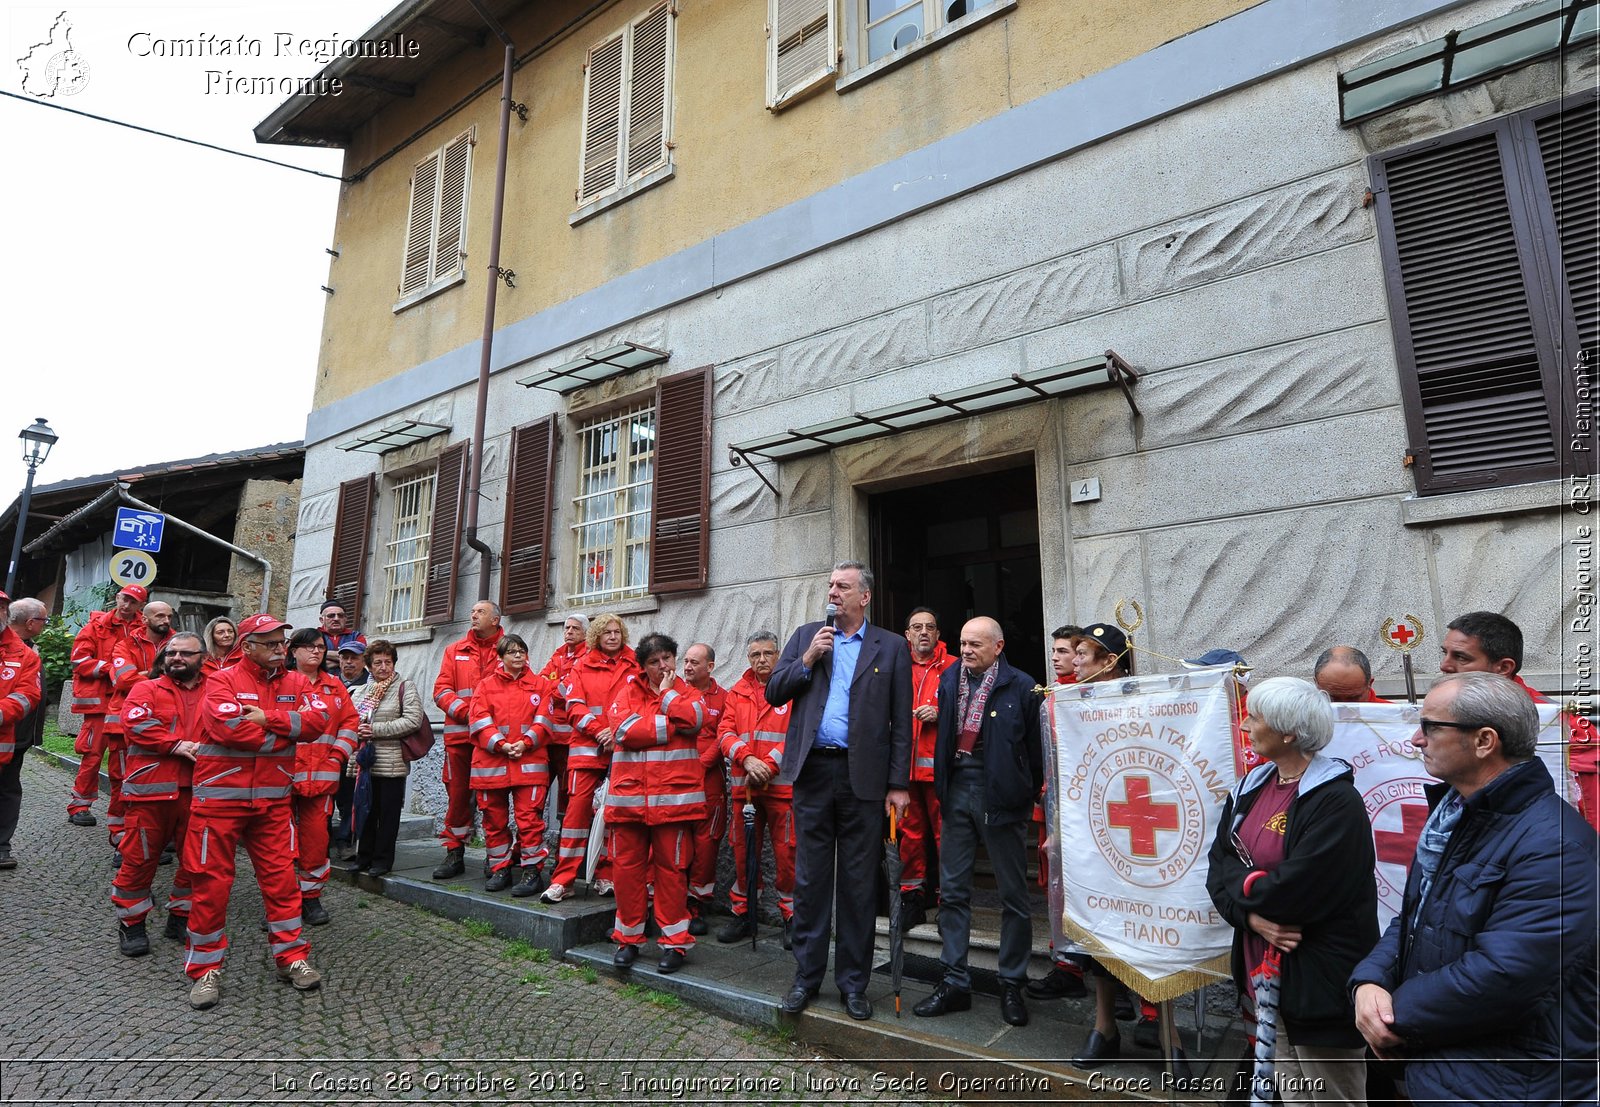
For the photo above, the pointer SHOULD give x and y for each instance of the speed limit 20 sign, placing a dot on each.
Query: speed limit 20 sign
(133, 567)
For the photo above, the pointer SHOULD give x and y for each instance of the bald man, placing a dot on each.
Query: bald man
(1346, 675)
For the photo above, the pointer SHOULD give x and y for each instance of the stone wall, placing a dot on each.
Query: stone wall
(269, 511)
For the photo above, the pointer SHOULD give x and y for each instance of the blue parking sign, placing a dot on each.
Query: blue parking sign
(138, 530)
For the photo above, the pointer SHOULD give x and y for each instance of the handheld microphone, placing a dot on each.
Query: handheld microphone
(833, 611)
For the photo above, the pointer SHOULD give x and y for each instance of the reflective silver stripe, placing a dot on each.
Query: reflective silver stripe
(141, 909)
(771, 737)
(204, 956)
(80, 700)
(205, 939)
(588, 718)
(464, 693)
(923, 762)
(614, 800)
(629, 931)
(204, 792)
(295, 725)
(478, 724)
(129, 788)
(285, 947)
(209, 750)
(675, 929)
(26, 703)
(489, 773)
(283, 924)
(661, 731)
(633, 757)
(318, 775)
(678, 800)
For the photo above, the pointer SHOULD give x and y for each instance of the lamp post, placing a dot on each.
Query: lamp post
(37, 438)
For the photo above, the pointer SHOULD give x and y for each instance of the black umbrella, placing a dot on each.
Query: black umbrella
(361, 803)
(752, 863)
(897, 941)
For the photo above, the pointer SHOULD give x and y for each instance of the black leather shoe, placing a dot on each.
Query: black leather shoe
(736, 929)
(945, 998)
(378, 869)
(1147, 1034)
(132, 940)
(81, 818)
(532, 882)
(498, 881)
(312, 913)
(1059, 983)
(798, 998)
(1098, 1048)
(857, 1005)
(356, 865)
(671, 961)
(168, 856)
(625, 956)
(454, 864)
(177, 926)
(698, 927)
(1012, 1009)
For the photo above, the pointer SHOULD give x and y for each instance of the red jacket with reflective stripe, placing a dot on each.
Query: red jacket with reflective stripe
(91, 661)
(709, 741)
(242, 764)
(557, 668)
(465, 663)
(925, 693)
(20, 687)
(1583, 753)
(509, 710)
(158, 714)
(593, 683)
(131, 661)
(753, 727)
(319, 765)
(655, 772)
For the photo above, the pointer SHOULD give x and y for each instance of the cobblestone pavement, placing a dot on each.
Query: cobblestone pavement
(413, 1007)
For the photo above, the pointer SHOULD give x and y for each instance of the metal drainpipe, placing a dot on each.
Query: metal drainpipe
(475, 466)
(266, 566)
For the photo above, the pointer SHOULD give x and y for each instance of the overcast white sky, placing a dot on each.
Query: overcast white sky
(162, 300)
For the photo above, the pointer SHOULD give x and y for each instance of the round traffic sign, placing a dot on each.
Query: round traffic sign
(133, 567)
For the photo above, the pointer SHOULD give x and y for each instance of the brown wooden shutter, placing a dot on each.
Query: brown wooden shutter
(680, 528)
(439, 596)
(1456, 241)
(1568, 141)
(524, 572)
(649, 63)
(352, 532)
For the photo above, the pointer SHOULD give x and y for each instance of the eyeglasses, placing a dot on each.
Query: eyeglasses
(515, 653)
(1239, 848)
(258, 644)
(183, 653)
(1430, 725)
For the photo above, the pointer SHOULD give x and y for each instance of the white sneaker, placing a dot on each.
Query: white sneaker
(554, 894)
(604, 888)
(206, 991)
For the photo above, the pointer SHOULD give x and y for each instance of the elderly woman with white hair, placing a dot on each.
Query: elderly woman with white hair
(1292, 869)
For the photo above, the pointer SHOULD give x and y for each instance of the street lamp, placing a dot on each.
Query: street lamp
(37, 438)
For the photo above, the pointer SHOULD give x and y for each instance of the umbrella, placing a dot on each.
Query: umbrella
(597, 831)
(361, 804)
(1264, 979)
(897, 940)
(752, 863)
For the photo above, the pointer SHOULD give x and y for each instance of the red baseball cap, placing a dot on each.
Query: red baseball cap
(4, 598)
(260, 624)
(137, 591)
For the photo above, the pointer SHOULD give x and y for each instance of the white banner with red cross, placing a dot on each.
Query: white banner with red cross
(1375, 738)
(1143, 766)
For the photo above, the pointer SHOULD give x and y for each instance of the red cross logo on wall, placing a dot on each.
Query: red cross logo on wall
(1141, 816)
(597, 571)
(1398, 848)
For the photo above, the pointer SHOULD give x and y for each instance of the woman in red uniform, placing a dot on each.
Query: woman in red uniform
(510, 766)
(317, 768)
(657, 796)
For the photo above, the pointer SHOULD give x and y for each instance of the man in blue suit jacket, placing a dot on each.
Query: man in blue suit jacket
(848, 755)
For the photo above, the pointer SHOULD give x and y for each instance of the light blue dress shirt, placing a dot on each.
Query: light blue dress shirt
(834, 729)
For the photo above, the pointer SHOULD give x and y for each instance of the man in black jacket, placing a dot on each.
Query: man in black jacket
(988, 770)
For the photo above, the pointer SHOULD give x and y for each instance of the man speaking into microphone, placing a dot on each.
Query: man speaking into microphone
(848, 755)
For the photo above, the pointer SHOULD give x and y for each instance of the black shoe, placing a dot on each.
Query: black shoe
(312, 913)
(1059, 983)
(454, 864)
(1012, 1010)
(499, 880)
(356, 865)
(82, 818)
(671, 961)
(168, 856)
(177, 927)
(912, 911)
(698, 927)
(132, 940)
(788, 933)
(625, 956)
(531, 884)
(736, 929)
(1147, 1034)
(1124, 1011)
(856, 1005)
(378, 868)
(116, 859)
(945, 998)
(1098, 1048)
(6, 860)
(797, 999)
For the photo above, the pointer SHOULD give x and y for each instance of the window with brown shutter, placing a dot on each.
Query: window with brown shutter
(1488, 240)
(352, 531)
(439, 590)
(680, 529)
(525, 561)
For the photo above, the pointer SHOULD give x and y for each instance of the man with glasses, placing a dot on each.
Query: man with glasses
(337, 633)
(1483, 986)
(254, 713)
(21, 693)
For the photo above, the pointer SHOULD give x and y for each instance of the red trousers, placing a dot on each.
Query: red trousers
(652, 855)
(117, 770)
(149, 825)
(708, 834)
(920, 823)
(580, 786)
(457, 775)
(311, 815)
(524, 802)
(91, 748)
(267, 834)
(775, 819)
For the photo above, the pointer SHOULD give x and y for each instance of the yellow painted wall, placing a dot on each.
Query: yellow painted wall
(734, 159)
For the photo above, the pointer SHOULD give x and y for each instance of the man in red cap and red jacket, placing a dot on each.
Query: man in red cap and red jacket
(466, 663)
(91, 693)
(254, 715)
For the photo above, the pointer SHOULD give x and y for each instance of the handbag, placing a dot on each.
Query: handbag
(415, 746)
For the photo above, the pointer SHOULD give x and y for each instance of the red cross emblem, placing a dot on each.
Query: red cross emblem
(1399, 847)
(1141, 816)
(1402, 634)
(597, 570)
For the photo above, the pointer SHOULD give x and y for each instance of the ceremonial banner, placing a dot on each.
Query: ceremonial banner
(1375, 738)
(1139, 772)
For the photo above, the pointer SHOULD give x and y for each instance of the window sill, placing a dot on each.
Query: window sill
(406, 637)
(626, 192)
(927, 42)
(639, 605)
(1483, 503)
(431, 291)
